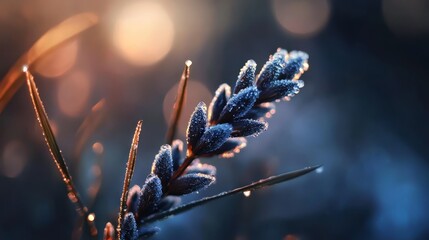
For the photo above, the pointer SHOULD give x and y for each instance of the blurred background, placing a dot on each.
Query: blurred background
(362, 114)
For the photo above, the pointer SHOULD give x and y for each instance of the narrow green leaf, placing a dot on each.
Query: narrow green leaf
(256, 185)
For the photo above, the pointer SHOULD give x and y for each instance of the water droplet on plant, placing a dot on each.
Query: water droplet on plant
(91, 217)
(24, 68)
(300, 83)
(319, 170)
(247, 193)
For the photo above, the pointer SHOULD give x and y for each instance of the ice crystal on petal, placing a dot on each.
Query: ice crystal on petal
(239, 104)
(272, 68)
(246, 77)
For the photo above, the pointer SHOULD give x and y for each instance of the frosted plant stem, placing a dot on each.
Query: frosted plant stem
(256, 185)
(128, 175)
(55, 151)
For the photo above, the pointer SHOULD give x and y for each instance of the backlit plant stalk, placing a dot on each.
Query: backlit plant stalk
(220, 130)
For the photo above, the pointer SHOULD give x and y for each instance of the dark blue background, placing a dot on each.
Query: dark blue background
(363, 114)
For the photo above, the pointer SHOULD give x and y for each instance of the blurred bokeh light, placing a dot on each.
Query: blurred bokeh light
(362, 114)
(302, 17)
(73, 93)
(143, 32)
(58, 61)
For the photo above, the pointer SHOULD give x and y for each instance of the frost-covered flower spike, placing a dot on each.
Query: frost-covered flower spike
(216, 131)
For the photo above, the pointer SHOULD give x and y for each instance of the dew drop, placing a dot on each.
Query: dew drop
(319, 170)
(247, 193)
(91, 217)
(300, 83)
(24, 68)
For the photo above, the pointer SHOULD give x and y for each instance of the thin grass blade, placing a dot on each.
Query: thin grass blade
(256, 185)
(55, 151)
(52, 39)
(178, 105)
(128, 175)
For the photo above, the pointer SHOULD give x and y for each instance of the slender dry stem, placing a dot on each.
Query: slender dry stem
(251, 187)
(128, 175)
(180, 102)
(55, 151)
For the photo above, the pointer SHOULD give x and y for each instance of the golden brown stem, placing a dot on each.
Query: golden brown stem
(55, 151)
(128, 175)
(178, 105)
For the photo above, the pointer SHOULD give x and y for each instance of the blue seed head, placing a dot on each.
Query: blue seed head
(272, 68)
(279, 89)
(219, 101)
(248, 127)
(196, 125)
(230, 147)
(189, 183)
(150, 196)
(260, 111)
(129, 228)
(133, 199)
(163, 165)
(246, 77)
(213, 138)
(239, 104)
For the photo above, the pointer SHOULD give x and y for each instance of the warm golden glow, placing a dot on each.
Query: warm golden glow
(58, 61)
(196, 92)
(143, 33)
(98, 148)
(302, 17)
(73, 93)
(91, 217)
